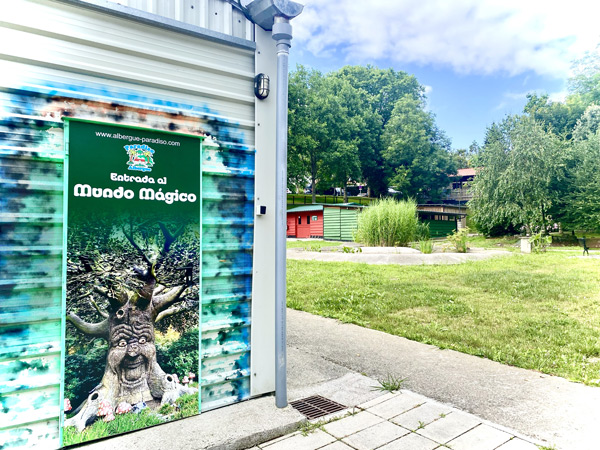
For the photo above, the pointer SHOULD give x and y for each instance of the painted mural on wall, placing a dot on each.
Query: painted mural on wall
(31, 167)
(132, 278)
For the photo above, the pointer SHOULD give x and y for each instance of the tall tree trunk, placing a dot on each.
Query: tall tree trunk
(313, 178)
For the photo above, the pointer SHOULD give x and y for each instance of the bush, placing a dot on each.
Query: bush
(539, 242)
(422, 231)
(181, 356)
(426, 246)
(83, 372)
(458, 240)
(388, 223)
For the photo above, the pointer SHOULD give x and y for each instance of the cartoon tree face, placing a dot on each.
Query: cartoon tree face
(131, 352)
(136, 300)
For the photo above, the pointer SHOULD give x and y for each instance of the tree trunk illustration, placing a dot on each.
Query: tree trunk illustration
(132, 373)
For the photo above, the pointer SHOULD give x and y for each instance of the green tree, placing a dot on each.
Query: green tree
(343, 127)
(385, 86)
(417, 152)
(307, 130)
(522, 164)
(382, 88)
(349, 116)
(558, 117)
(583, 210)
(466, 157)
(584, 85)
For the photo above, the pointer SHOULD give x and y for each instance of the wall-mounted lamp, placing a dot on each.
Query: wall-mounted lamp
(261, 86)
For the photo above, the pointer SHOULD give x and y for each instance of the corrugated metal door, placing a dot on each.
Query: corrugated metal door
(332, 229)
(440, 228)
(348, 223)
(74, 61)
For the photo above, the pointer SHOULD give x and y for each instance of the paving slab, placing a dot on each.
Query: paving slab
(352, 424)
(334, 371)
(411, 441)
(518, 444)
(422, 415)
(375, 436)
(482, 437)
(299, 441)
(397, 404)
(337, 445)
(450, 427)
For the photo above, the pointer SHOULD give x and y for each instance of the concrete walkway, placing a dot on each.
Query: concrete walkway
(398, 256)
(402, 421)
(549, 409)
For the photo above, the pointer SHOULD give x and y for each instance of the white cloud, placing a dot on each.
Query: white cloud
(470, 36)
(560, 96)
(510, 99)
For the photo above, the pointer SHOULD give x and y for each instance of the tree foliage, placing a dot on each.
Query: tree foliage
(543, 168)
(584, 199)
(342, 126)
(417, 151)
(558, 117)
(584, 85)
(307, 130)
(521, 164)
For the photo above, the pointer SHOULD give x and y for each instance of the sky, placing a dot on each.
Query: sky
(477, 59)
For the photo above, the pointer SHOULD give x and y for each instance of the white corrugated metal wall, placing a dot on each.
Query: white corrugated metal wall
(215, 15)
(60, 58)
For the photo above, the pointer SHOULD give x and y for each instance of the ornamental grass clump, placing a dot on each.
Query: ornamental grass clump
(388, 223)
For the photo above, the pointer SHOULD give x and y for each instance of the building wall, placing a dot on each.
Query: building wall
(64, 59)
(441, 228)
(316, 226)
(291, 225)
(340, 223)
(215, 15)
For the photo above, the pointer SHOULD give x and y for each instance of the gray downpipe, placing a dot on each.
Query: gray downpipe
(282, 33)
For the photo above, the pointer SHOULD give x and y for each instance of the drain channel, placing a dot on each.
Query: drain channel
(316, 406)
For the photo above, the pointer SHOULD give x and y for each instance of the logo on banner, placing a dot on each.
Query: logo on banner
(140, 157)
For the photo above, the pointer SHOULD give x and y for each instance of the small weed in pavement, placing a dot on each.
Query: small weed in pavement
(390, 383)
(310, 427)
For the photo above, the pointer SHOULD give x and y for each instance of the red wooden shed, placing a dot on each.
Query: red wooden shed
(305, 222)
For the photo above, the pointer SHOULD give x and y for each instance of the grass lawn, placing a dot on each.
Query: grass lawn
(538, 312)
(313, 245)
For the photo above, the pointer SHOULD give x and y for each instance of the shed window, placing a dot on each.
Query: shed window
(315, 218)
(299, 220)
(307, 220)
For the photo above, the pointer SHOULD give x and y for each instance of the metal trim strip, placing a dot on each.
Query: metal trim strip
(127, 12)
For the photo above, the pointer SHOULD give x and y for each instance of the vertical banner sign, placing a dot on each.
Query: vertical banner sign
(132, 278)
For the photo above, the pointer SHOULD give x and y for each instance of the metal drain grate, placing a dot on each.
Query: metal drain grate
(316, 406)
